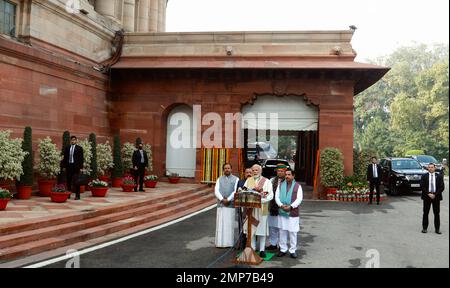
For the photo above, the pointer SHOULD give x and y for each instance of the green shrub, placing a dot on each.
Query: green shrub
(414, 152)
(362, 159)
(331, 167)
(94, 166)
(27, 164)
(118, 168)
(65, 141)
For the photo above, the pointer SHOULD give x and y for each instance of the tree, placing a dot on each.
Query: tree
(118, 168)
(93, 141)
(27, 164)
(408, 108)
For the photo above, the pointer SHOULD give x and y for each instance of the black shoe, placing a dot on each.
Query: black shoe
(424, 231)
(272, 248)
(281, 254)
(294, 255)
(438, 232)
(262, 254)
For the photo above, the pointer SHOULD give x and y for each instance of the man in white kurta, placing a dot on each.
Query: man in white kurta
(274, 227)
(262, 185)
(225, 188)
(289, 196)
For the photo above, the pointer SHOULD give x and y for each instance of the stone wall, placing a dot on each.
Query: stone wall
(143, 99)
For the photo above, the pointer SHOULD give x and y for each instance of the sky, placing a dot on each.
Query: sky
(383, 25)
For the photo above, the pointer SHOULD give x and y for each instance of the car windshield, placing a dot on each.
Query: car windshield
(426, 159)
(405, 164)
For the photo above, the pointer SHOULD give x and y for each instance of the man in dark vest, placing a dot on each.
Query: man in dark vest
(289, 196)
(274, 229)
(374, 179)
(73, 162)
(242, 211)
(140, 161)
(432, 185)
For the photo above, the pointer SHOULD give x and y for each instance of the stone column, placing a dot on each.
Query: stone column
(129, 15)
(161, 15)
(143, 13)
(106, 8)
(153, 23)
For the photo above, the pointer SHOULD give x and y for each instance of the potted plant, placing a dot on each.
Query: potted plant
(11, 158)
(104, 161)
(117, 172)
(98, 188)
(174, 178)
(148, 149)
(128, 184)
(25, 182)
(5, 196)
(127, 157)
(331, 169)
(151, 181)
(59, 193)
(48, 167)
(93, 165)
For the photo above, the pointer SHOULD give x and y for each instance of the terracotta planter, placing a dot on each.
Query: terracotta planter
(45, 187)
(104, 179)
(24, 192)
(151, 184)
(99, 191)
(117, 182)
(59, 197)
(4, 203)
(128, 187)
(174, 180)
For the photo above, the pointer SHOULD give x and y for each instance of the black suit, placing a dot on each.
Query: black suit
(73, 167)
(140, 164)
(428, 202)
(374, 181)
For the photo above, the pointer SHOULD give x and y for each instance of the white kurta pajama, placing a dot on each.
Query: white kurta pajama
(289, 226)
(262, 230)
(225, 215)
(274, 225)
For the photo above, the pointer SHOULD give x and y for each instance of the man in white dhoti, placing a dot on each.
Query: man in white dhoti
(262, 185)
(274, 233)
(225, 188)
(289, 198)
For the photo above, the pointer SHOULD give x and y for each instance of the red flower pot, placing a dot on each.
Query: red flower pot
(24, 192)
(117, 182)
(174, 180)
(128, 187)
(82, 189)
(45, 187)
(99, 191)
(3, 204)
(104, 179)
(59, 197)
(150, 184)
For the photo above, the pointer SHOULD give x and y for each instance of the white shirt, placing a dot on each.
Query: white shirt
(142, 156)
(432, 183)
(375, 170)
(72, 150)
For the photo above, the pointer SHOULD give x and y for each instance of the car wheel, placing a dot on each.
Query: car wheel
(393, 190)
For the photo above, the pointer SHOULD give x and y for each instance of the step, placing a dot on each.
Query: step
(54, 242)
(77, 216)
(46, 232)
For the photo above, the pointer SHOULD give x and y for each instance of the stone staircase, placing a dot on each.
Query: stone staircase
(37, 236)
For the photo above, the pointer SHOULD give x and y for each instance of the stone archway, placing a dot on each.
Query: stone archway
(180, 151)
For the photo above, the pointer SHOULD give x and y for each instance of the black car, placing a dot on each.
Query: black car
(269, 166)
(399, 174)
(424, 160)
